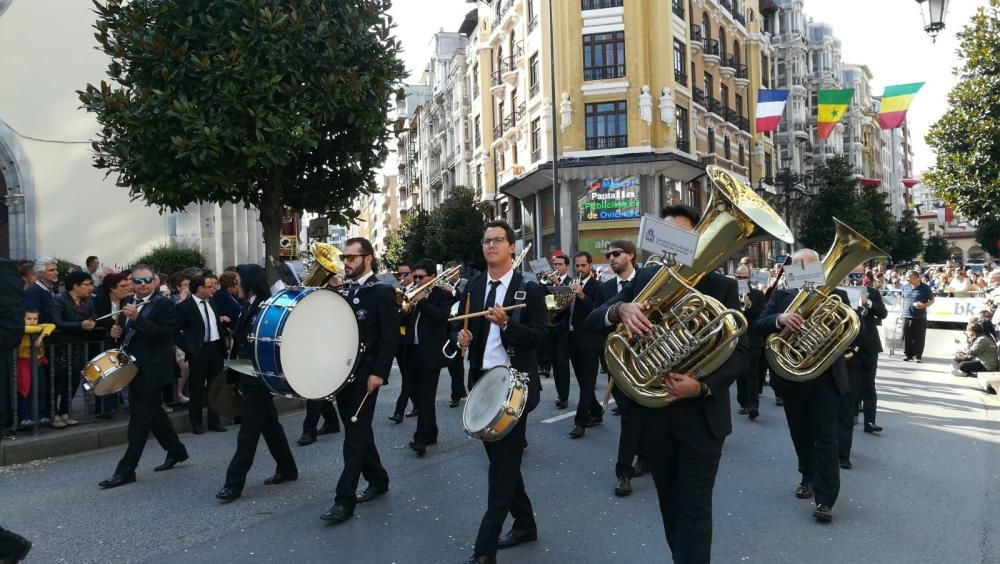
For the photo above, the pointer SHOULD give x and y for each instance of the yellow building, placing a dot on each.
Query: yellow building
(647, 92)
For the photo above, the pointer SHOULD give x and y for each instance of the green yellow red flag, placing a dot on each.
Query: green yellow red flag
(832, 105)
(895, 101)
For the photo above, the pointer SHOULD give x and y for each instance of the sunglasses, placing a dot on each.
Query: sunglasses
(615, 253)
(352, 257)
(143, 280)
(418, 277)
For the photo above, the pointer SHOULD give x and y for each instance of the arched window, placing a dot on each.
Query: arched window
(706, 26)
(724, 49)
(736, 52)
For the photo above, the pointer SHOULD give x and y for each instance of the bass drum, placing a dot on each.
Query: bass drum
(306, 343)
(495, 404)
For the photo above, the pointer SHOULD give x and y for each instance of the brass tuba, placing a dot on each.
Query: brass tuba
(326, 263)
(831, 325)
(693, 333)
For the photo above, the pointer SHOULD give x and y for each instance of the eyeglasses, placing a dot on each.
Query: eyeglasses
(143, 280)
(742, 277)
(418, 277)
(615, 253)
(493, 241)
(402, 274)
(352, 257)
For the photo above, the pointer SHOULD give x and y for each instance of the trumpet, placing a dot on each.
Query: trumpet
(520, 257)
(408, 300)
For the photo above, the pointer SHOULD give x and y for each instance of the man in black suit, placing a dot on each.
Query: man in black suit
(559, 334)
(810, 406)
(861, 369)
(683, 441)
(149, 325)
(378, 323)
(426, 333)
(404, 274)
(584, 346)
(504, 339)
(747, 386)
(200, 338)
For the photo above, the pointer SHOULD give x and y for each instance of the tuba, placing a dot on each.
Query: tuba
(326, 263)
(831, 325)
(692, 333)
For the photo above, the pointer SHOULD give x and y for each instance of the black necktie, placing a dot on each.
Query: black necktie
(208, 328)
(491, 297)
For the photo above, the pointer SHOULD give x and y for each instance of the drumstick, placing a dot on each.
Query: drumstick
(354, 418)
(465, 326)
(108, 315)
(607, 396)
(484, 313)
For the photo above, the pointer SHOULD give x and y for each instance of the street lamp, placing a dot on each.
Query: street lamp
(933, 12)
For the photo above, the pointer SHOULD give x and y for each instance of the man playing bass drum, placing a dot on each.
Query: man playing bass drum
(502, 339)
(683, 441)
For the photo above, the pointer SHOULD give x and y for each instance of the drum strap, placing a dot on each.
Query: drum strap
(519, 298)
(144, 312)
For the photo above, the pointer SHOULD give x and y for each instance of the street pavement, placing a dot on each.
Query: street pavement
(924, 491)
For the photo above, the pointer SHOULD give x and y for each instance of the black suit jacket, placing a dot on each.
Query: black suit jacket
(433, 328)
(868, 338)
(767, 324)
(11, 307)
(39, 299)
(68, 318)
(378, 324)
(716, 406)
(757, 304)
(191, 325)
(522, 335)
(226, 305)
(152, 344)
(581, 309)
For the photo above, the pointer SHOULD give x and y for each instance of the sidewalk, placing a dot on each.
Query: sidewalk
(97, 434)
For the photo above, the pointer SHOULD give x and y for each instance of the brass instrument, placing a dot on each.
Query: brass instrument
(520, 257)
(405, 300)
(692, 333)
(831, 325)
(557, 304)
(326, 263)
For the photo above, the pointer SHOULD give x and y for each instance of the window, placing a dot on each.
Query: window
(724, 54)
(680, 62)
(711, 140)
(739, 105)
(534, 76)
(513, 107)
(743, 155)
(706, 27)
(709, 85)
(475, 80)
(767, 166)
(479, 177)
(601, 4)
(724, 94)
(536, 139)
(604, 55)
(529, 5)
(726, 148)
(607, 126)
(736, 52)
(478, 132)
(765, 71)
(683, 136)
(500, 160)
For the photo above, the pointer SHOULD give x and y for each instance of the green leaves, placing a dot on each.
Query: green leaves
(909, 241)
(936, 250)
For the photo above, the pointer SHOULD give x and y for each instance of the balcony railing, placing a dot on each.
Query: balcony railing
(714, 106)
(532, 23)
(727, 4)
(536, 154)
(696, 33)
(496, 78)
(745, 124)
(680, 77)
(712, 47)
(601, 4)
(503, 10)
(684, 145)
(729, 61)
(740, 18)
(604, 73)
(678, 7)
(741, 71)
(607, 142)
(519, 113)
(698, 96)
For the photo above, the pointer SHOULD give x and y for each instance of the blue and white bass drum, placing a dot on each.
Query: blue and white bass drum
(306, 343)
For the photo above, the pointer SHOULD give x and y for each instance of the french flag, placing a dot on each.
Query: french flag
(770, 105)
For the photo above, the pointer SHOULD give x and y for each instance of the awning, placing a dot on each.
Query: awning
(672, 165)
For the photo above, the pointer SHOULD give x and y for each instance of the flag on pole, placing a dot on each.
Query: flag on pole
(770, 105)
(832, 105)
(895, 101)
(945, 215)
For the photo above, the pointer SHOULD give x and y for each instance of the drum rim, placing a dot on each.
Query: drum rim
(499, 415)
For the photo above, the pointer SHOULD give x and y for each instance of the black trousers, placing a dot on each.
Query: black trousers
(971, 367)
(456, 369)
(847, 409)
(424, 384)
(506, 490)
(811, 410)
(205, 363)
(865, 363)
(405, 382)
(147, 415)
(747, 385)
(559, 340)
(628, 437)
(66, 367)
(914, 331)
(315, 408)
(360, 453)
(260, 417)
(683, 457)
(585, 364)
(10, 545)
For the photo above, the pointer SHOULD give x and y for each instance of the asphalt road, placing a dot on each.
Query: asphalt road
(924, 491)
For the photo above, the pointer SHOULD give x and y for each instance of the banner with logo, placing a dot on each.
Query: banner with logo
(610, 199)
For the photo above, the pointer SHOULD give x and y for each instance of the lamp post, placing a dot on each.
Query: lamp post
(933, 13)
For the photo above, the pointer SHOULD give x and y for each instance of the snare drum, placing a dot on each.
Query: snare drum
(109, 372)
(306, 343)
(495, 404)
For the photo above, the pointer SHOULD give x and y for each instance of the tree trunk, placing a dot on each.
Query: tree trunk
(271, 212)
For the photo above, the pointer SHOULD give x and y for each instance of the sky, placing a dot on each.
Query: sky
(886, 35)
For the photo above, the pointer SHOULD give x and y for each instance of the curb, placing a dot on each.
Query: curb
(92, 437)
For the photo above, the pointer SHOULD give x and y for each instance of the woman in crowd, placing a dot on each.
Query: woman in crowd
(979, 356)
(179, 292)
(73, 313)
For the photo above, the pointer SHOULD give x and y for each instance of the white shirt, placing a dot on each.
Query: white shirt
(363, 279)
(213, 327)
(495, 354)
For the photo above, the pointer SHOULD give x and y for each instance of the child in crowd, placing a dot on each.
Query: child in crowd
(34, 335)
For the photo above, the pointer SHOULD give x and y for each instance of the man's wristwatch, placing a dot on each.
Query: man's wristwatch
(705, 390)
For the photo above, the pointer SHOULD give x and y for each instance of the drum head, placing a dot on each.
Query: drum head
(486, 400)
(320, 344)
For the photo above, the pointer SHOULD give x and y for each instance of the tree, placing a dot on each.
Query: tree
(408, 241)
(456, 228)
(874, 220)
(909, 241)
(966, 172)
(936, 249)
(988, 233)
(273, 103)
(836, 196)
(172, 258)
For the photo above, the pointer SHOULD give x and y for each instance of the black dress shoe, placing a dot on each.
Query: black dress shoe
(823, 513)
(280, 478)
(372, 492)
(872, 428)
(18, 547)
(515, 537)
(117, 480)
(197, 429)
(481, 559)
(107, 415)
(779, 401)
(845, 464)
(454, 403)
(328, 430)
(218, 428)
(413, 413)
(742, 411)
(624, 486)
(595, 421)
(754, 413)
(804, 491)
(640, 469)
(907, 359)
(169, 463)
(561, 404)
(337, 515)
(306, 439)
(419, 448)
(616, 410)
(228, 494)
(396, 418)
(576, 432)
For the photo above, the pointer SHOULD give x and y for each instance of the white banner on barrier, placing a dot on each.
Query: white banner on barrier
(944, 309)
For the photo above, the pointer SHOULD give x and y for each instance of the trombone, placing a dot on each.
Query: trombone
(407, 300)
